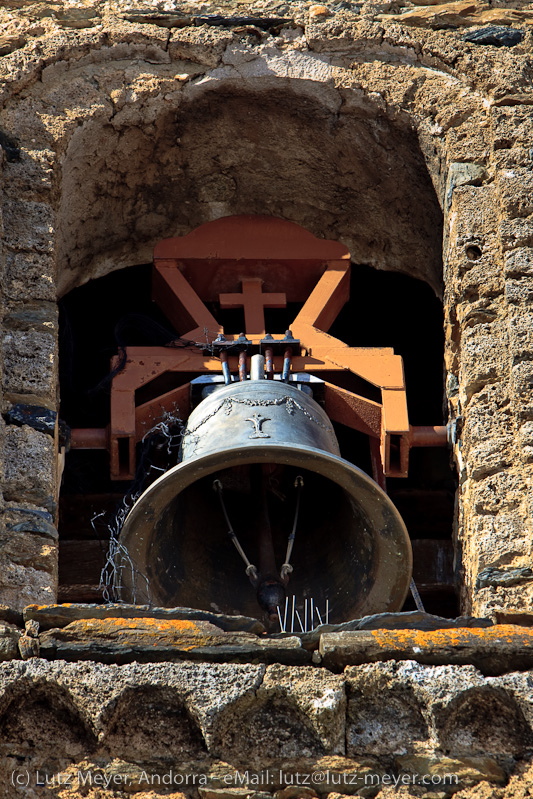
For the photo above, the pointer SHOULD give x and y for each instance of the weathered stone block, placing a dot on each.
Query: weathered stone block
(295, 713)
(483, 719)
(501, 598)
(29, 225)
(497, 539)
(518, 263)
(22, 584)
(385, 715)
(319, 695)
(471, 313)
(29, 276)
(519, 292)
(483, 357)
(29, 643)
(473, 213)
(520, 327)
(9, 641)
(30, 177)
(519, 156)
(488, 414)
(482, 276)
(516, 233)
(30, 366)
(37, 316)
(494, 650)
(463, 174)
(512, 125)
(491, 455)
(30, 467)
(469, 142)
(115, 640)
(516, 192)
(522, 388)
(502, 491)
(202, 47)
(29, 551)
(28, 556)
(148, 714)
(525, 439)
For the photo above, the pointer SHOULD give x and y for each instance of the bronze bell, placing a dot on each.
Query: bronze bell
(260, 460)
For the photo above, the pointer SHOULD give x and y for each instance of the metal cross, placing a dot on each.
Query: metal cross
(254, 303)
(257, 420)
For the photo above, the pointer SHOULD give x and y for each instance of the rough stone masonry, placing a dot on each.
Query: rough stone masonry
(404, 131)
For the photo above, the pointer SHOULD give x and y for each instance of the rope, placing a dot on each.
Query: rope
(287, 569)
(416, 597)
(251, 570)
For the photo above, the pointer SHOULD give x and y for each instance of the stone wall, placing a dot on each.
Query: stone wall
(402, 131)
(64, 724)
(367, 123)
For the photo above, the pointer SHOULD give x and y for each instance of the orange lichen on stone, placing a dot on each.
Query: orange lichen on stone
(173, 626)
(182, 634)
(463, 636)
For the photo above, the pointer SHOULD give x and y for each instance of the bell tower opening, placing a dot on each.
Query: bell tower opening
(384, 310)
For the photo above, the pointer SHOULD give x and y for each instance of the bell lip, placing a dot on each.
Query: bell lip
(334, 466)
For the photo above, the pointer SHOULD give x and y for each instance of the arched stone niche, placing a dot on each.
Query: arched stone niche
(130, 135)
(297, 152)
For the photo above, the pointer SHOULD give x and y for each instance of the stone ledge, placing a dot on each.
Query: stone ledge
(50, 616)
(497, 650)
(122, 633)
(461, 14)
(116, 640)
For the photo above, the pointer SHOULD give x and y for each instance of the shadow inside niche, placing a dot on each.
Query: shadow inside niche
(43, 725)
(152, 723)
(484, 721)
(275, 729)
(381, 727)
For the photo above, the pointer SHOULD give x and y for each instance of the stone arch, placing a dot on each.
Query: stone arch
(483, 721)
(269, 726)
(101, 176)
(381, 728)
(151, 723)
(110, 81)
(265, 149)
(42, 720)
(104, 150)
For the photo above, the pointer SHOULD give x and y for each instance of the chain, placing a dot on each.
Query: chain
(290, 403)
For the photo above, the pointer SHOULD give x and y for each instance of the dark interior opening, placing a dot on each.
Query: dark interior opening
(340, 528)
(386, 309)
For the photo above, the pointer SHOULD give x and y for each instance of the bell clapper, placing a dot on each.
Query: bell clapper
(270, 591)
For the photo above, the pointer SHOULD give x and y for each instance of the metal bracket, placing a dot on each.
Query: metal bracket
(274, 262)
